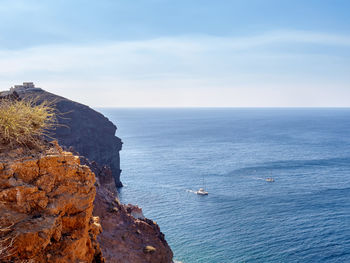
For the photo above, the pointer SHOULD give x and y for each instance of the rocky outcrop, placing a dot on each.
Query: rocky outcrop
(50, 212)
(128, 237)
(49, 208)
(46, 204)
(83, 129)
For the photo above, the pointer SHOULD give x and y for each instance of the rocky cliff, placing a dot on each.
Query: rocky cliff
(81, 128)
(50, 212)
(128, 237)
(46, 204)
(52, 207)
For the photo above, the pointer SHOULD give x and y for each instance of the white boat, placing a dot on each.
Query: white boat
(270, 179)
(201, 191)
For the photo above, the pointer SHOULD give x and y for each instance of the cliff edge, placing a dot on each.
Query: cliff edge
(46, 204)
(52, 206)
(80, 128)
(50, 211)
(128, 237)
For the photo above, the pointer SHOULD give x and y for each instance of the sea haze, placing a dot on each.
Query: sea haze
(304, 216)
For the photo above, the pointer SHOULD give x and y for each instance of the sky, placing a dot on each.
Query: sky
(180, 53)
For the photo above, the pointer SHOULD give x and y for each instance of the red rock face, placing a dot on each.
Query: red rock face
(50, 212)
(126, 239)
(46, 205)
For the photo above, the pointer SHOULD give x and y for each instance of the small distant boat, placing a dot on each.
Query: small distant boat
(270, 179)
(201, 191)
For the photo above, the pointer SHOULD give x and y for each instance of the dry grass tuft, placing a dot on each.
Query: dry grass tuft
(6, 241)
(25, 122)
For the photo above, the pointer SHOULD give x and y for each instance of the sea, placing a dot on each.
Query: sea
(303, 216)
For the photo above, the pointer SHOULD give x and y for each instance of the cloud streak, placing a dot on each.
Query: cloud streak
(158, 69)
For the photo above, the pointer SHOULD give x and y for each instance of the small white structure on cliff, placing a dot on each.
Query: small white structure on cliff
(27, 86)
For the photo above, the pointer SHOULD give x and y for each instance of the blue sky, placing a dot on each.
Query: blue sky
(199, 53)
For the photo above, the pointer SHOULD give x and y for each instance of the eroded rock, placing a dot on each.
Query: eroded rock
(84, 129)
(46, 204)
(128, 237)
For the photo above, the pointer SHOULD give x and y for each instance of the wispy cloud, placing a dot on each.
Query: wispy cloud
(193, 65)
(69, 57)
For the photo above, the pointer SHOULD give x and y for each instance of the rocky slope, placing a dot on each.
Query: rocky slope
(46, 204)
(50, 211)
(128, 237)
(83, 129)
(52, 206)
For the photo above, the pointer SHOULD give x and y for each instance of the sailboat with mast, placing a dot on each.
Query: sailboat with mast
(201, 190)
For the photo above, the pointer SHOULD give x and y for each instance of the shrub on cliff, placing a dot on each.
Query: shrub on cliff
(25, 122)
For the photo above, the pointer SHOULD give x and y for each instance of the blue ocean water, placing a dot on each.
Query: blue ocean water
(304, 216)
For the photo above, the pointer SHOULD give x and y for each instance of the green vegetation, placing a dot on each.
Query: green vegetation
(25, 122)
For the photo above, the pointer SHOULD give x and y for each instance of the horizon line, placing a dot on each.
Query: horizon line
(219, 107)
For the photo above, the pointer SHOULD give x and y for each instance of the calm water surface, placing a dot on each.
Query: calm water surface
(304, 216)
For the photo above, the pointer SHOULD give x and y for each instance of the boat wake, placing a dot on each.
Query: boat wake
(259, 178)
(267, 179)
